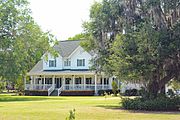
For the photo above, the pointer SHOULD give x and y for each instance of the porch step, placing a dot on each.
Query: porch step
(77, 93)
(54, 93)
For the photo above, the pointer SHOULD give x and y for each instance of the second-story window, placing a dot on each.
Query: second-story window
(52, 63)
(80, 62)
(67, 62)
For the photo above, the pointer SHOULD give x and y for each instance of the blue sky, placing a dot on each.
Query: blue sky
(63, 18)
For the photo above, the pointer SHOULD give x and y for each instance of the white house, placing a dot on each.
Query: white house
(70, 71)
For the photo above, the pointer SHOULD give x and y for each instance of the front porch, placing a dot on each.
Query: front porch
(61, 83)
(68, 87)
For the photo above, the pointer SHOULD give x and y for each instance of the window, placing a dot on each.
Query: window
(105, 81)
(78, 80)
(52, 63)
(67, 62)
(67, 80)
(48, 80)
(80, 62)
(88, 80)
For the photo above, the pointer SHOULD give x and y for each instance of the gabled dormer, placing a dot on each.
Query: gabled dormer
(52, 63)
(80, 59)
(71, 56)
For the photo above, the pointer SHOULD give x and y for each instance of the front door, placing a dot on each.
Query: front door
(58, 82)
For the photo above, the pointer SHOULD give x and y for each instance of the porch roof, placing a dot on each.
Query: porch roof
(38, 70)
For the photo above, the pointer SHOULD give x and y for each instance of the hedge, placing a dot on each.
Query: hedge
(157, 104)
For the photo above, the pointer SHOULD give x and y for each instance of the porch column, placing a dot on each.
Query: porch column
(73, 81)
(31, 77)
(53, 80)
(110, 82)
(103, 82)
(63, 82)
(41, 82)
(33, 81)
(95, 84)
(84, 82)
(44, 82)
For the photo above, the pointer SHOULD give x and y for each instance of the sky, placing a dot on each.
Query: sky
(63, 18)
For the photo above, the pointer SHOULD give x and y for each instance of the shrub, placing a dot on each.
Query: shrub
(157, 104)
(114, 88)
(20, 93)
(2, 86)
(131, 92)
(71, 115)
(19, 85)
(101, 92)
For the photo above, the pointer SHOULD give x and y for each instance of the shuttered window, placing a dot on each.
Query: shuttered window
(80, 62)
(52, 63)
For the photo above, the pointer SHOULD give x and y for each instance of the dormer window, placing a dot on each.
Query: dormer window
(52, 63)
(80, 62)
(67, 62)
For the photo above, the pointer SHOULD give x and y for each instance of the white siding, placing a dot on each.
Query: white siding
(126, 86)
(79, 53)
(58, 63)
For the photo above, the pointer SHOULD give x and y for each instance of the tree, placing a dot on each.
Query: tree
(80, 36)
(19, 84)
(138, 40)
(114, 88)
(2, 87)
(22, 42)
(102, 28)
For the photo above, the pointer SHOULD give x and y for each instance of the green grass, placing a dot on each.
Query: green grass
(87, 108)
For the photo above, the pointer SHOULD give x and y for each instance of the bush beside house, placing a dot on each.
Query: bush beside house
(161, 103)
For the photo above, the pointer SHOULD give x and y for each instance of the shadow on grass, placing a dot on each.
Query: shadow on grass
(153, 112)
(116, 107)
(8, 98)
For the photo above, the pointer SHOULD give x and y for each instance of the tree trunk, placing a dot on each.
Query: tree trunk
(162, 90)
(153, 88)
(159, 86)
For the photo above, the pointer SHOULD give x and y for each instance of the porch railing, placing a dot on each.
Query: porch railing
(103, 87)
(60, 90)
(51, 89)
(85, 87)
(67, 87)
(37, 86)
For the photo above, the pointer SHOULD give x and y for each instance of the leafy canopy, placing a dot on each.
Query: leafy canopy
(137, 40)
(22, 42)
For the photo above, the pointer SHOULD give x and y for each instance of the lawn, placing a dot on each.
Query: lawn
(87, 108)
